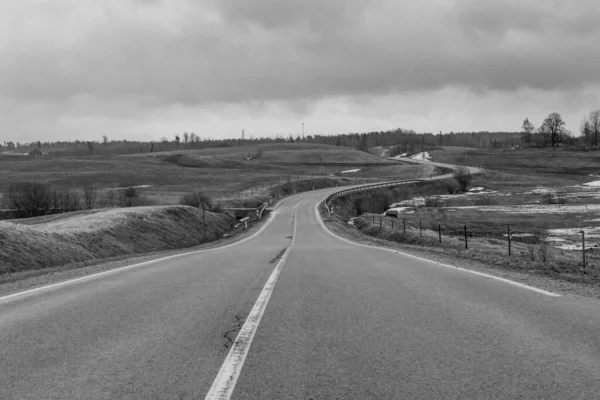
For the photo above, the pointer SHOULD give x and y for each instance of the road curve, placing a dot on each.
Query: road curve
(342, 321)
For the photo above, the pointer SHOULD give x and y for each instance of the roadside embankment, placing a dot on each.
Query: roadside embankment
(42, 242)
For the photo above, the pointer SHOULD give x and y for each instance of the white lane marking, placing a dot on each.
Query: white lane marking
(521, 285)
(115, 270)
(224, 384)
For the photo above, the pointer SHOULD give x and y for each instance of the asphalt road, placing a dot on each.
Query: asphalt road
(342, 322)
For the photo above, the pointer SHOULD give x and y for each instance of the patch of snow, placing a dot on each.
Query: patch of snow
(127, 187)
(536, 208)
(398, 210)
(476, 189)
(541, 190)
(555, 239)
(519, 235)
(594, 184)
(350, 171)
(421, 156)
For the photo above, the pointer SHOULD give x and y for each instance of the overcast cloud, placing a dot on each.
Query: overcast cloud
(141, 69)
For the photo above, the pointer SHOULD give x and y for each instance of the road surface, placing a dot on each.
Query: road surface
(328, 320)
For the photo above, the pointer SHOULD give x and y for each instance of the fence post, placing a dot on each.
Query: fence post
(373, 216)
(466, 245)
(392, 220)
(440, 232)
(420, 229)
(509, 247)
(583, 250)
(404, 225)
(380, 222)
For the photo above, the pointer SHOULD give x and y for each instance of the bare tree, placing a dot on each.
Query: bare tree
(30, 199)
(186, 137)
(152, 147)
(105, 140)
(192, 139)
(586, 131)
(177, 141)
(90, 146)
(594, 121)
(553, 128)
(89, 195)
(463, 176)
(528, 129)
(66, 200)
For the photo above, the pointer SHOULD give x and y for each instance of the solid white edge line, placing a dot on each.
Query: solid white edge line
(115, 270)
(224, 384)
(521, 285)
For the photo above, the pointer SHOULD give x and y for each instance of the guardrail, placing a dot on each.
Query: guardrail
(373, 186)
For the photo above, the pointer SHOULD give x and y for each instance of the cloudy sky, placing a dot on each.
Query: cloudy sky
(142, 69)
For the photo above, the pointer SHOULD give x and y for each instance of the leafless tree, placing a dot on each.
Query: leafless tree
(90, 146)
(177, 141)
(553, 128)
(89, 195)
(186, 137)
(594, 121)
(30, 199)
(66, 200)
(586, 131)
(463, 176)
(528, 129)
(105, 140)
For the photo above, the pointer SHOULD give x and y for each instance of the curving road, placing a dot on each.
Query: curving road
(321, 318)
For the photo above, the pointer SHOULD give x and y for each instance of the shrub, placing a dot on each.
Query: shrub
(30, 199)
(196, 199)
(67, 200)
(361, 204)
(89, 195)
(433, 201)
(463, 177)
(129, 195)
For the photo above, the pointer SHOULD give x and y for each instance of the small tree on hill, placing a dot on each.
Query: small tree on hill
(553, 128)
(177, 140)
(594, 123)
(105, 140)
(463, 177)
(527, 131)
(186, 137)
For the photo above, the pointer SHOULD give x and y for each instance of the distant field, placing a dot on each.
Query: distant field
(218, 172)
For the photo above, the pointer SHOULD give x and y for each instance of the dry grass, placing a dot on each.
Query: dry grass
(69, 238)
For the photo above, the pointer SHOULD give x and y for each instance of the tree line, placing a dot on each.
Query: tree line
(552, 131)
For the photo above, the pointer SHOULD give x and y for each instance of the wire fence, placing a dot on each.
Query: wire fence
(513, 239)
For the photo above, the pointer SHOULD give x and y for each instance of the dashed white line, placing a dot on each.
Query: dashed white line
(224, 384)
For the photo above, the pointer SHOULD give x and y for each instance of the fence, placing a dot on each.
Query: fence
(514, 239)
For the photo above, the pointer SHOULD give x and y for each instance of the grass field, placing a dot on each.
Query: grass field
(541, 194)
(223, 173)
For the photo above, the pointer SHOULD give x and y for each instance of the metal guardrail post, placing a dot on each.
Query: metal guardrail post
(466, 245)
(583, 250)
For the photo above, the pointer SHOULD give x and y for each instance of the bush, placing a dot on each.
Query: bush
(67, 200)
(196, 199)
(361, 204)
(129, 195)
(30, 199)
(89, 195)
(463, 177)
(434, 201)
